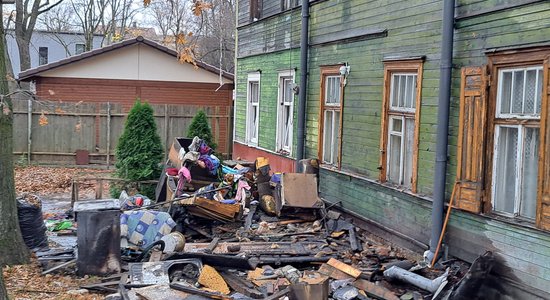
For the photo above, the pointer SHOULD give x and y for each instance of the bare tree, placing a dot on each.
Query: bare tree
(57, 21)
(216, 39)
(119, 18)
(90, 17)
(26, 16)
(173, 19)
(213, 29)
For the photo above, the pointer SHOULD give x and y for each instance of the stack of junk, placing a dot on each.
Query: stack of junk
(239, 230)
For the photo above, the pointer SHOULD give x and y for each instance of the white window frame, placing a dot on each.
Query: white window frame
(499, 94)
(252, 77)
(402, 113)
(334, 104)
(286, 4)
(281, 105)
(519, 172)
(399, 108)
(333, 108)
(401, 134)
(521, 128)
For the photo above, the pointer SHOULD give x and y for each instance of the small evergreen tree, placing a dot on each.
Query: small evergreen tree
(139, 150)
(199, 127)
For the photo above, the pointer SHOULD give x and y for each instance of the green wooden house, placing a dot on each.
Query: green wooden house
(372, 98)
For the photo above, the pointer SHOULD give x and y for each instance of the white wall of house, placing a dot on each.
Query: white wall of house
(134, 62)
(59, 46)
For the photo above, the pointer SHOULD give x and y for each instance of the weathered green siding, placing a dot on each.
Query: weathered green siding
(270, 46)
(274, 34)
(413, 30)
(270, 65)
(389, 207)
(523, 250)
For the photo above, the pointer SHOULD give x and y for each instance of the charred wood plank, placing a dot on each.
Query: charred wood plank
(373, 290)
(242, 286)
(212, 245)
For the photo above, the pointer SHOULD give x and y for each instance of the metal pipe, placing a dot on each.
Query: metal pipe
(304, 47)
(440, 177)
(417, 280)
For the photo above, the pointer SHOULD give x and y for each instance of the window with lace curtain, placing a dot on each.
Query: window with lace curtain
(516, 141)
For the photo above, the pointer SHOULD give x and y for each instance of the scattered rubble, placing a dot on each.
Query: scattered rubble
(234, 230)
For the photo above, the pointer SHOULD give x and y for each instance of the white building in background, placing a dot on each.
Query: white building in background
(47, 47)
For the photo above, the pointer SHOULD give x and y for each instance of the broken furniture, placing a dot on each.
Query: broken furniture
(298, 195)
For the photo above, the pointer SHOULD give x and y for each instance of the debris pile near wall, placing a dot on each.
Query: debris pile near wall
(238, 230)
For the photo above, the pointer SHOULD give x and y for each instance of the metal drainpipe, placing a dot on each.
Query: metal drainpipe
(442, 125)
(304, 47)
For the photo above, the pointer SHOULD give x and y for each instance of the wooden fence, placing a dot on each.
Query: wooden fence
(96, 128)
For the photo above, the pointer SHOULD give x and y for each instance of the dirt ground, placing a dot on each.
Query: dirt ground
(53, 186)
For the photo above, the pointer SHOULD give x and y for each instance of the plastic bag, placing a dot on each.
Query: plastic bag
(31, 223)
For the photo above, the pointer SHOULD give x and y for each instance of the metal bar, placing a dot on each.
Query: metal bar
(59, 266)
(108, 134)
(29, 130)
(166, 133)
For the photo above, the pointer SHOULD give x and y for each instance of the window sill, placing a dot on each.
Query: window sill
(330, 167)
(518, 221)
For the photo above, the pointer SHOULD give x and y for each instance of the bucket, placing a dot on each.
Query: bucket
(173, 242)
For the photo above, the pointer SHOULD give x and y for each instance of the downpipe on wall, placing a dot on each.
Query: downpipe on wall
(304, 48)
(440, 174)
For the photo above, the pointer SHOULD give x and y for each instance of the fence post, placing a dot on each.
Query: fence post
(29, 130)
(166, 131)
(108, 134)
(230, 130)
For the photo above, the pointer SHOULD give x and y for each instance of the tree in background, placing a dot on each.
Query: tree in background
(26, 17)
(200, 127)
(139, 150)
(173, 18)
(12, 248)
(91, 16)
(211, 23)
(216, 41)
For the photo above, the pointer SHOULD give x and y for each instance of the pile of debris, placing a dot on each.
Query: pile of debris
(237, 230)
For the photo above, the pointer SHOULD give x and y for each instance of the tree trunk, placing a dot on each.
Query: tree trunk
(12, 248)
(23, 45)
(3, 292)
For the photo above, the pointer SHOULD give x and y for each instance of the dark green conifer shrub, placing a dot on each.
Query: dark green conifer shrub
(200, 127)
(139, 151)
